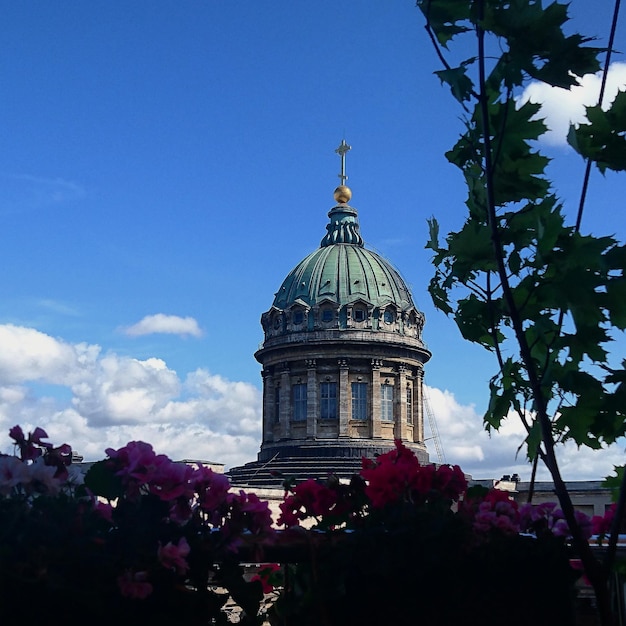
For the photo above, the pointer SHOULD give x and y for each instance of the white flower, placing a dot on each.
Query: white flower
(13, 472)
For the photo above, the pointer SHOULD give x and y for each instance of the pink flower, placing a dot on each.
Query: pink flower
(290, 512)
(134, 585)
(601, 524)
(172, 556)
(138, 466)
(398, 476)
(496, 511)
(211, 487)
(450, 482)
(310, 498)
(29, 449)
(548, 518)
(170, 480)
(393, 476)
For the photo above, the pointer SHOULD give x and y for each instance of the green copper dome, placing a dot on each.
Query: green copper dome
(343, 285)
(342, 288)
(343, 273)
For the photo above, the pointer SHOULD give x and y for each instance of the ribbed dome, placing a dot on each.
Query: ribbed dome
(344, 273)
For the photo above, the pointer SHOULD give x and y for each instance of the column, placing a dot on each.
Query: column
(345, 397)
(400, 428)
(285, 402)
(312, 399)
(376, 427)
(268, 408)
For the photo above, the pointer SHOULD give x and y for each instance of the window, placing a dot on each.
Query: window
(390, 316)
(409, 404)
(298, 317)
(386, 403)
(327, 315)
(359, 401)
(299, 402)
(328, 401)
(359, 315)
(276, 405)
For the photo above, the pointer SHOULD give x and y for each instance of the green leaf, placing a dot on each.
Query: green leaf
(472, 250)
(460, 84)
(614, 483)
(444, 17)
(433, 231)
(439, 296)
(603, 139)
(476, 320)
(102, 481)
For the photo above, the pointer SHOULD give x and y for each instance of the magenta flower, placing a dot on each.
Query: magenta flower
(170, 480)
(173, 556)
(211, 487)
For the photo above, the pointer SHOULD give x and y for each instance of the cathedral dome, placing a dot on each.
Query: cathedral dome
(343, 286)
(343, 360)
(343, 272)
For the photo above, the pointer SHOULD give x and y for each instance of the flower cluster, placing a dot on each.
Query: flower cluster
(398, 476)
(548, 518)
(190, 493)
(395, 478)
(138, 528)
(39, 468)
(601, 524)
(492, 510)
(330, 503)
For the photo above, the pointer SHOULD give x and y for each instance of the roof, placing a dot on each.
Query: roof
(343, 271)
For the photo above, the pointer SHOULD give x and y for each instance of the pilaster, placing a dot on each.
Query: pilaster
(268, 400)
(345, 397)
(312, 399)
(376, 425)
(285, 409)
(401, 427)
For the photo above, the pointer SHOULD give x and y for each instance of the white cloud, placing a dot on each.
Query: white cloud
(465, 443)
(94, 400)
(562, 107)
(114, 399)
(168, 324)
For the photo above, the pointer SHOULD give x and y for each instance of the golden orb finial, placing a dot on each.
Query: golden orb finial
(343, 194)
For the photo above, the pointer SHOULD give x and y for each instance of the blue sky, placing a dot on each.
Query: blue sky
(165, 164)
